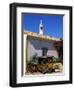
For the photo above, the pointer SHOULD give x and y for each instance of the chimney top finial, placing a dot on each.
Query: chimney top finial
(41, 21)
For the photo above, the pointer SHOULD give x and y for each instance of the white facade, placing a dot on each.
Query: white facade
(35, 47)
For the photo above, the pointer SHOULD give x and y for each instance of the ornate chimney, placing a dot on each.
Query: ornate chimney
(41, 28)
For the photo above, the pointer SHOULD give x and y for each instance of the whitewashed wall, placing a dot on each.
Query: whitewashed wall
(35, 46)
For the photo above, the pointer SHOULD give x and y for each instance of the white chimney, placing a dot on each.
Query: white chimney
(41, 28)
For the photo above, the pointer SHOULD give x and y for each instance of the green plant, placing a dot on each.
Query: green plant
(56, 59)
(33, 59)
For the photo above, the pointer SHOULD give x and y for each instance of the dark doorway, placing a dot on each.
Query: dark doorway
(44, 51)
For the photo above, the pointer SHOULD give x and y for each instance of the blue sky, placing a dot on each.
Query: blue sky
(53, 24)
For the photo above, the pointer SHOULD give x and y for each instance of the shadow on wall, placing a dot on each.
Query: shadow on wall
(39, 44)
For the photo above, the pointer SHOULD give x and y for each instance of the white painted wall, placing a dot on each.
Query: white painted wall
(36, 45)
(4, 44)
